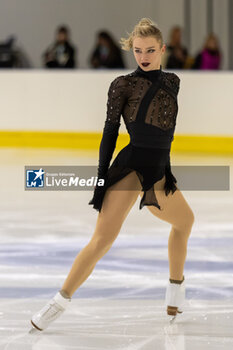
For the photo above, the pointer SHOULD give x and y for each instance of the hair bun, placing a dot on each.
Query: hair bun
(146, 22)
(144, 28)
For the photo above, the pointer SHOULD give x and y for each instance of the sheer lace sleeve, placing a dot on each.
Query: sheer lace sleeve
(175, 81)
(115, 103)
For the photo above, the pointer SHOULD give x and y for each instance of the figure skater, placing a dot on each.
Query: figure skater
(147, 100)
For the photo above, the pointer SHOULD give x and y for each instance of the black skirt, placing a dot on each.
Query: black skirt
(150, 164)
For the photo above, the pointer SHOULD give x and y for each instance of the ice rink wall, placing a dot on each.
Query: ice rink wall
(68, 110)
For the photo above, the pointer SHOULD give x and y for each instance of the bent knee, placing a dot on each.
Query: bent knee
(187, 221)
(101, 244)
(104, 235)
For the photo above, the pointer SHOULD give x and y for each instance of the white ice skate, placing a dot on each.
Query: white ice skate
(175, 299)
(50, 312)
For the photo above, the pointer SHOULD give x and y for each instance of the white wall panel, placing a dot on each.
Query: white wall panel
(39, 100)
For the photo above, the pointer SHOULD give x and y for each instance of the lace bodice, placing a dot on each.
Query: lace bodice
(147, 102)
(126, 92)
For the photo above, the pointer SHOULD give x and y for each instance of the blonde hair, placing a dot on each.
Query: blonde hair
(145, 27)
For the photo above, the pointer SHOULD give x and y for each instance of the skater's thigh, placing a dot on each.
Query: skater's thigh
(174, 207)
(118, 200)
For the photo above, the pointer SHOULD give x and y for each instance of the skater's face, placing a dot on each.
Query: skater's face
(148, 50)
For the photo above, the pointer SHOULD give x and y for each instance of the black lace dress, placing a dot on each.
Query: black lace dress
(147, 101)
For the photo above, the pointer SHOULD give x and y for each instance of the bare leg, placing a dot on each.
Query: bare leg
(177, 212)
(116, 206)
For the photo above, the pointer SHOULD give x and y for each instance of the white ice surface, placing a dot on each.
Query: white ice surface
(121, 304)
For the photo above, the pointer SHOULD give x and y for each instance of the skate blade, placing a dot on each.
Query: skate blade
(172, 320)
(33, 330)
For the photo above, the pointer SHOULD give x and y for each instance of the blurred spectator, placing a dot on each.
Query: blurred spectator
(12, 56)
(177, 54)
(210, 56)
(106, 54)
(60, 54)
